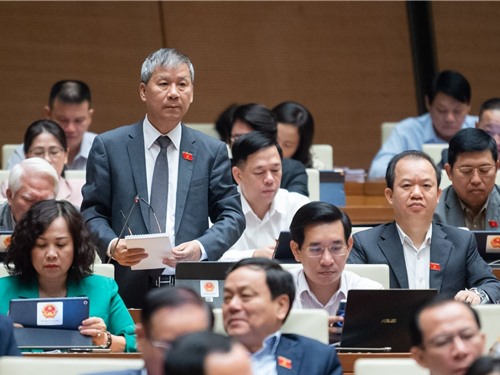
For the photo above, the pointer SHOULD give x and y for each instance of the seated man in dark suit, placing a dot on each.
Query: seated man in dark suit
(249, 117)
(258, 296)
(422, 254)
(207, 353)
(8, 344)
(473, 199)
(177, 177)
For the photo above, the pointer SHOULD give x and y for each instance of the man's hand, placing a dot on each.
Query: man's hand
(331, 321)
(265, 252)
(127, 257)
(184, 252)
(468, 296)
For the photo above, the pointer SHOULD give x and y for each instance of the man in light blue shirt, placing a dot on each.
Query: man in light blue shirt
(448, 103)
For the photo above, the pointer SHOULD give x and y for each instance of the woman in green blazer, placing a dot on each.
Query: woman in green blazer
(51, 255)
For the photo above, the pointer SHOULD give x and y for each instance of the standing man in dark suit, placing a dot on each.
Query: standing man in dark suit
(422, 254)
(8, 344)
(177, 177)
(258, 296)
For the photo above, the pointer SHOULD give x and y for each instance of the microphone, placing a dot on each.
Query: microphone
(125, 225)
(154, 213)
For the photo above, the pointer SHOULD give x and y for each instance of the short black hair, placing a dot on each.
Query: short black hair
(451, 83)
(172, 297)
(258, 117)
(278, 280)
(299, 116)
(44, 126)
(484, 366)
(488, 105)
(390, 174)
(314, 213)
(34, 223)
(70, 92)
(439, 300)
(250, 143)
(470, 140)
(224, 123)
(188, 352)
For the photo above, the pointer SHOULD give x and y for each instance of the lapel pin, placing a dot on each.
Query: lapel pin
(187, 156)
(493, 223)
(435, 266)
(284, 362)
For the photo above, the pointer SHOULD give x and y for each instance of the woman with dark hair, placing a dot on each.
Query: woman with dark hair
(46, 139)
(51, 255)
(295, 132)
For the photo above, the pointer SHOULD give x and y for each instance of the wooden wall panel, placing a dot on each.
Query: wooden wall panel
(348, 62)
(102, 43)
(467, 41)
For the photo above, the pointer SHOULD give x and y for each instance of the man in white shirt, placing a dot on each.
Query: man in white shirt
(268, 209)
(322, 282)
(71, 107)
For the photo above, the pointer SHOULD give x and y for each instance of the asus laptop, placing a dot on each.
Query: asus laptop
(50, 323)
(206, 278)
(379, 320)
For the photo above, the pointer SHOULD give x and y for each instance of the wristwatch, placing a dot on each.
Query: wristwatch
(482, 295)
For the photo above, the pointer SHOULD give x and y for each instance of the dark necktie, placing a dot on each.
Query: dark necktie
(159, 189)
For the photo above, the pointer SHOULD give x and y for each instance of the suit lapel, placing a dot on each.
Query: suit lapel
(390, 245)
(454, 215)
(441, 250)
(493, 210)
(188, 156)
(135, 149)
(288, 357)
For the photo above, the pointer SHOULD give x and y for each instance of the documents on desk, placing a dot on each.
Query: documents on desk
(156, 245)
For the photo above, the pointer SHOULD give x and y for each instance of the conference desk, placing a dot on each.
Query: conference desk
(366, 203)
(346, 359)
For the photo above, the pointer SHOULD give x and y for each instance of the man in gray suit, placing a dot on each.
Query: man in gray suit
(196, 185)
(473, 199)
(422, 254)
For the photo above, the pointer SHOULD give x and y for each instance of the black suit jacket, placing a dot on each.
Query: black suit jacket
(453, 249)
(8, 344)
(116, 174)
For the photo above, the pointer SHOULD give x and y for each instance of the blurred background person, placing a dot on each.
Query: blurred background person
(296, 132)
(46, 139)
(51, 255)
(8, 344)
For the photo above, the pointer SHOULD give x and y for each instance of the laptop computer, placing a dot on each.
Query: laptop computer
(50, 323)
(283, 252)
(206, 278)
(379, 319)
(488, 245)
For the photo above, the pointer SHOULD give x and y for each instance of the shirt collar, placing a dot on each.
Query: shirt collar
(277, 205)
(404, 237)
(303, 287)
(151, 134)
(270, 343)
(465, 208)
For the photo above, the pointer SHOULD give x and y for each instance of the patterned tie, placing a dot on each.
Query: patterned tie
(159, 189)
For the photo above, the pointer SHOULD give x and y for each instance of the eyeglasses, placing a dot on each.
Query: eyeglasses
(334, 250)
(162, 345)
(445, 341)
(53, 152)
(483, 170)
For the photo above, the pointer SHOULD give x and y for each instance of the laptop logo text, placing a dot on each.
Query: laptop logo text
(389, 321)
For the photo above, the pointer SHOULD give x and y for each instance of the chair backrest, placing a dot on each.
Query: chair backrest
(7, 151)
(375, 272)
(325, 154)
(359, 229)
(434, 150)
(490, 324)
(386, 129)
(208, 129)
(75, 174)
(67, 366)
(445, 181)
(4, 175)
(388, 366)
(313, 183)
(104, 269)
(3, 271)
(310, 323)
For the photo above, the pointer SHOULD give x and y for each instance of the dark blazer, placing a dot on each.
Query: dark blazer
(455, 250)
(116, 174)
(306, 356)
(8, 344)
(294, 177)
(449, 211)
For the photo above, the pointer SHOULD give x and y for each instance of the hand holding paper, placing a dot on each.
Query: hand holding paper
(157, 246)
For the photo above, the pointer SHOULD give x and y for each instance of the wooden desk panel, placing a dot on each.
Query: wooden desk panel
(369, 214)
(347, 359)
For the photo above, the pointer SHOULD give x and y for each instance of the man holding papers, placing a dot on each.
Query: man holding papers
(163, 177)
